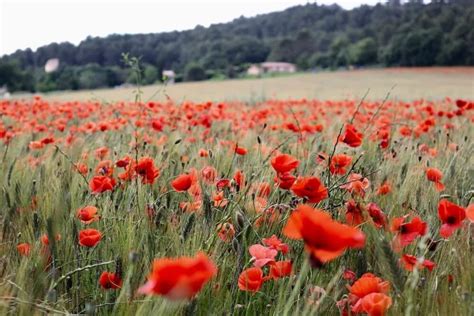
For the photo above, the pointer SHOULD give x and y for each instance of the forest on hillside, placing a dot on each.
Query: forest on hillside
(311, 36)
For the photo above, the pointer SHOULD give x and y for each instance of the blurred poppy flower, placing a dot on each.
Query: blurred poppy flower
(100, 184)
(104, 168)
(251, 279)
(101, 153)
(310, 188)
(262, 255)
(124, 162)
(275, 243)
(376, 304)
(280, 269)
(226, 231)
(378, 216)
(470, 213)
(146, 169)
(240, 150)
(239, 179)
(409, 262)
(284, 163)
(88, 214)
(284, 180)
(179, 278)
(367, 284)
(182, 183)
(45, 240)
(356, 184)
(109, 280)
(324, 238)
(352, 136)
(406, 232)
(89, 237)
(434, 175)
(384, 189)
(81, 168)
(209, 174)
(23, 249)
(339, 164)
(451, 216)
(354, 215)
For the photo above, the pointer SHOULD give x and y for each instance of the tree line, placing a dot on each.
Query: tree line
(311, 36)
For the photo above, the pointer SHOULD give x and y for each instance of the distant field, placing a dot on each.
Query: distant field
(410, 83)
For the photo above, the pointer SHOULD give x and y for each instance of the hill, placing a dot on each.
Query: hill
(311, 35)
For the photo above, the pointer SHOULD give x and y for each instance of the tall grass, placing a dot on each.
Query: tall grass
(132, 240)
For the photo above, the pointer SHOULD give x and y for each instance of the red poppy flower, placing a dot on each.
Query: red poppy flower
(284, 180)
(325, 239)
(239, 179)
(354, 215)
(409, 262)
(275, 243)
(89, 237)
(221, 184)
(100, 184)
(356, 184)
(284, 163)
(124, 162)
(352, 136)
(451, 216)
(376, 304)
(262, 255)
(182, 183)
(23, 249)
(406, 232)
(109, 280)
(281, 269)
(240, 150)
(145, 168)
(262, 189)
(310, 188)
(384, 189)
(435, 175)
(45, 240)
(470, 213)
(349, 275)
(179, 278)
(226, 231)
(81, 168)
(339, 163)
(378, 216)
(367, 284)
(88, 214)
(251, 279)
(104, 168)
(101, 153)
(209, 174)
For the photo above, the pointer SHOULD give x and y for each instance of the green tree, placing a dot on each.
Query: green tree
(364, 52)
(194, 72)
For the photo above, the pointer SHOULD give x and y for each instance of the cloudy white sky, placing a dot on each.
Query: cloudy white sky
(33, 23)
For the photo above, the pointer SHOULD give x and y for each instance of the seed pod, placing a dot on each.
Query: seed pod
(188, 227)
(239, 221)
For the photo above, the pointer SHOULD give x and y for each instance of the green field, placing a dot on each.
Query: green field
(432, 83)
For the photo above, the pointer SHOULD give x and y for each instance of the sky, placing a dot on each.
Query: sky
(34, 23)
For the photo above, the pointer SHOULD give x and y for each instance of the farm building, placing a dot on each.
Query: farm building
(271, 67)
(169, 76)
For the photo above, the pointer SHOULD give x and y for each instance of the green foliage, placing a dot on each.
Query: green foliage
(364, 52)
(194, 72)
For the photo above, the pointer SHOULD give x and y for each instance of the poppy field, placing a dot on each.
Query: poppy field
(279, 207)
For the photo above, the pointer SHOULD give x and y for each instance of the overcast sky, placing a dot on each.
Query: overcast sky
(33, 23)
